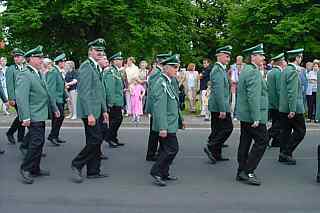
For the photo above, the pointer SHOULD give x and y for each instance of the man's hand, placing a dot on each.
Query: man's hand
(26, 123)
(7, 104)
(91, 120)
(163, 133)
(184, 125)
(291, 115)
(12, 103)
(57, 114)
(255, 124)
(105, 118)
(222, 115)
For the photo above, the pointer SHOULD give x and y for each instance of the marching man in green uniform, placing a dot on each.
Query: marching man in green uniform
(113, 83)
(4, 100)
(293, 127)
(253, 108)
(274, 82)
(153, 140)
(91, 105)
(56, 88)
(166, 115)
(11, 75)
(221, 122)
(33, 103)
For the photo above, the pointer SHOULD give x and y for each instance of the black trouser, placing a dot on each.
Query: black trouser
(274, 130)
(90, 154)
(168, 150)
(221, 129)
(311, 101)
(292, 132)
(115, 120)
(153, 141)
(249, 159)
(36, 138)
(16, 125)
(56, 123)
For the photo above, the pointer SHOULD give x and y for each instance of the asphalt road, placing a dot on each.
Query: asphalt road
(202, 187)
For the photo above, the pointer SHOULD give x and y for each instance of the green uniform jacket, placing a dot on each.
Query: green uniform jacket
(220, 90)
(318, 97)
(113, 84)
(151, 80)
(291, 99)
(166, 113)
(56, 85)
(91, 94)
(33, 100)
(11, 75)
(274, 82)
(252, 95)
(2, 95)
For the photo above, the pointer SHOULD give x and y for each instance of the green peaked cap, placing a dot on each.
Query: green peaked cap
(35, 52)
(17, 51)
(226, 49)
(60, 57)
(172, 60)
(98, 44)
(258, 49)
(117, 56)
(278, 57)
(294, 53)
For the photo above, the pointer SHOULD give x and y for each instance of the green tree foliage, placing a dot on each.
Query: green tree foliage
(142, 28)
(279, 24)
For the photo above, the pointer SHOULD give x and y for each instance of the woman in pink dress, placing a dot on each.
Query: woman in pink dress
(137, 92)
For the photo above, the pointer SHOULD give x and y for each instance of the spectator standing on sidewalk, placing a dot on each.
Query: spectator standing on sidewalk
(204, 79)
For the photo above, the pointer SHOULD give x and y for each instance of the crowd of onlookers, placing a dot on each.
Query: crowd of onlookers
(194, 89)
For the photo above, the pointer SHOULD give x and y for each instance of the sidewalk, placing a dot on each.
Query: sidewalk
(192, 121)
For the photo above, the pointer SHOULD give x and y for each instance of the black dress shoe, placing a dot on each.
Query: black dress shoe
(158, 181)
(97, 176)
(43, 154)
(103, 157)
(318, 178)
(54, 141)
(20, 141)
(286, 159)
(170, 178)
(118, 143)
(151, 158)
(2, 151)
(225, 145)
(61, 141)
(11, 139)
(221, 158)
(77, 175)
(253, 180)
(112, 144)
(210, 156)
(242, 176)
(275, 144)
(26, 177)
(41, 173)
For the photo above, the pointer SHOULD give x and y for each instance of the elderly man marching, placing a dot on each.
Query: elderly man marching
(113, 83)
(253, 107)
(11, 75)
(33, 103)
(91, 106)
(221, 122)
(291, 108)
(153, 140)
(166, 115)
(56, 88)
(274, 82)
